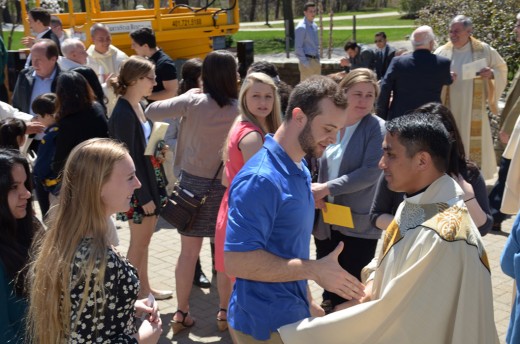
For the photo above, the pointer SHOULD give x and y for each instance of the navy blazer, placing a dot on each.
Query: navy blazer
(412, 80)
(383, 59)
(356, 184)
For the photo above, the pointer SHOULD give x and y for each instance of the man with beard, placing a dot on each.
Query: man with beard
(432, 259)
(271, 213)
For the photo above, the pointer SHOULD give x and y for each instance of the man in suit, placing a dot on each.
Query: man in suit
(384, 53)
(39, 78)
(357, 56)
(39, 20)
(36, 80)
(413, 79)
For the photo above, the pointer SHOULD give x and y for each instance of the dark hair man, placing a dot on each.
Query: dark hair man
(144, 44)
(432, 256)
(271, 213)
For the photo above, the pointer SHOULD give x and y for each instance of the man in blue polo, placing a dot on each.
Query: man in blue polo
(306, 43)
(271, 213)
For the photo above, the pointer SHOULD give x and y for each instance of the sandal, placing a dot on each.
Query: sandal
(222, 323)
(178, 326)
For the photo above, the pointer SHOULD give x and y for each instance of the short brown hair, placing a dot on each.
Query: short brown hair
(41, 14)
(308, 4)
(308, 94)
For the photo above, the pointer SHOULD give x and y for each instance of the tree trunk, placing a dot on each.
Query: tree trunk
(289, 18)
(277, 10)
(252, 11)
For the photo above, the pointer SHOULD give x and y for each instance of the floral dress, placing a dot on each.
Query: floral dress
(114, 320)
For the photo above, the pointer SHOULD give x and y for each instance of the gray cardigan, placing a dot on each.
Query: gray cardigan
(358, 175)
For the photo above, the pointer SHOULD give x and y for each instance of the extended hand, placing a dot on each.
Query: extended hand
(34, 128)
(332, 277)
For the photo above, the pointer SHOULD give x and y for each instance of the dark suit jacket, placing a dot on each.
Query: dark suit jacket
(52, 36)
(412, 80)
(383, 59)
(24, 86)
(124, 126)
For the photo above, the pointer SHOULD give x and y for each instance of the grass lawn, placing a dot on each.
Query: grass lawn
(267, 42)
(382, 21)
(16, 44)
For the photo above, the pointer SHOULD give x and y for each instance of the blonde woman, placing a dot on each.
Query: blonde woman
(129, 125)
(348, 174)
(259, 107)
(90, 293)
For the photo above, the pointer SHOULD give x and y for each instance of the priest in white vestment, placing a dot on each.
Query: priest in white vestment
(510, 134)
(468, 99)
(431, 283)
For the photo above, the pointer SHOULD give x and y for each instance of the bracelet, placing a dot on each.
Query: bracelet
(469, 199)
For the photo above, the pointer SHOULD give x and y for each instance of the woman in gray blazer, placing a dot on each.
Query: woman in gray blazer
(347, 176)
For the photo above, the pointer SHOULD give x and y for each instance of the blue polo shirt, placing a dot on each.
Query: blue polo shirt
(271, 208)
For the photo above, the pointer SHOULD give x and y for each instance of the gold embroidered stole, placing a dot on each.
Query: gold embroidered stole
(450, 223)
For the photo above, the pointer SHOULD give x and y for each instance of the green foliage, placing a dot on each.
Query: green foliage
(493, 23)
(412, 7)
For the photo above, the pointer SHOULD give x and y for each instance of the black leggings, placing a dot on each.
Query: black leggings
(356, 254)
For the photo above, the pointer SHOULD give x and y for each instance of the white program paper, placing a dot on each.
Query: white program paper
(158, 133)
(471, 70)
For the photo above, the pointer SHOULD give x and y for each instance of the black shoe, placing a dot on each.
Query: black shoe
(202, 281)
(497, 227)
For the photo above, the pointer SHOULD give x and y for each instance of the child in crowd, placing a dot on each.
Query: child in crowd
(45, 180)
(12, 133)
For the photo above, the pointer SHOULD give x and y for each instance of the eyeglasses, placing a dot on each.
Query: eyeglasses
(378, 41)
(152, 79)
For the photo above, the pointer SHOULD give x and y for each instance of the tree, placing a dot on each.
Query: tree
(289, 18)
(492, 23)
(252, 11)
(412, 7)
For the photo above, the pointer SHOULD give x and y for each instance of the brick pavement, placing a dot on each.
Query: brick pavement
(164, 250)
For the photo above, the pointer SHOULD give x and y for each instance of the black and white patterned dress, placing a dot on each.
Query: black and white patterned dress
(114, 321)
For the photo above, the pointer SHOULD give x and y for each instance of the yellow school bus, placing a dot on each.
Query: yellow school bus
(181, 31)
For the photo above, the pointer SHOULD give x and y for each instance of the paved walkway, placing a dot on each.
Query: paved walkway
(358, 27)
(164, 250)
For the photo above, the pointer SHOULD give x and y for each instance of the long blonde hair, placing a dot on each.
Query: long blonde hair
(273, 120)
(81, 214)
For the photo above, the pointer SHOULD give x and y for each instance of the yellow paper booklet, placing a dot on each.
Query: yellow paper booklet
(158, 133)
(338, 215)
